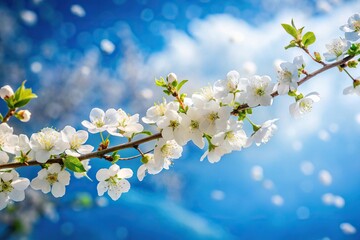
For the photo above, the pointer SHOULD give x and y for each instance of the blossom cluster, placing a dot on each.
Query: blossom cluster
(212, 118)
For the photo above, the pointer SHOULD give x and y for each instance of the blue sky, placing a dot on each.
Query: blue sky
(110, 56)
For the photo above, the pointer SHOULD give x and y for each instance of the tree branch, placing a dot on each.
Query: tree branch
(97, 154)
(302, 81)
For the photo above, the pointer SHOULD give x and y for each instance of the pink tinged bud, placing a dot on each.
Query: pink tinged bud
(171, 77)
(23, 115)
(6, 92)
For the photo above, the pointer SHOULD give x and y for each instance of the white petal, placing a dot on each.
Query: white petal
(348, 90)
(42, 156)
(124, 185)
(125, 173)
(114, 193)
(21, 184)
(102, 187)
(39, 184)
(103, 174)
(17, 195)
(96, 113)
(58, 190)
(64, 177)
(84, 149)
(141, 172)
(54, 168)
(4, 158)
(113, 170)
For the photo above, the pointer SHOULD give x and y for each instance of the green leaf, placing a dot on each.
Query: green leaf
(160, 82)
(167, 92)
(290, 30)
(1, 117)
(73, 164)
(291, 45)
(144, 132)
(22, 96)
(179, 86)
(308, 39)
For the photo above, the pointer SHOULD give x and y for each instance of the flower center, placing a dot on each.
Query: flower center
(47, 140)
(259, 91)
(52, 178)
(213, 116)
(357, 26)
(174, 124)
(286, 76)
(6, 187)
(305, 106)
(75, 143)
(194, 124)
(99, 123)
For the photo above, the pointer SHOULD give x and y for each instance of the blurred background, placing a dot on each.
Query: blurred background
(77, 55)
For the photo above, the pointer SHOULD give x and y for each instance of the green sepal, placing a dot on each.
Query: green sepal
(179, 86)
(299, 96)
(292, 93)
(1, 117)
(167, 92)
(291, 45)
(241, 115)
(73, 164)
(174, 83)
(308, 39)
(356, 83)
(249, 111)
(354, 49)
(317, 56)
(290, 29)
(352, 64)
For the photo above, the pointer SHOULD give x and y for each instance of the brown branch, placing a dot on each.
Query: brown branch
(97, 154)
(302, 81)
(8, 115)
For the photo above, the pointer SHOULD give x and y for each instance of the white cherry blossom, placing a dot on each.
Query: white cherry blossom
(172, 128)
(263, 133)
(287, 78)
(259, 91)
(126, 125)
(336, 49)
(304, 105)
(157, 112)
(23, 149)
(149, 166)
(191, 126)
(46, 143)
(352, 28)
(164, 152)
(113, 181)
(205, 95)
(52, 179)
(233, 138)
(8, 140)
(214, 153)
(12, 187)
(76, 139)
(100, 121)
(214, 117)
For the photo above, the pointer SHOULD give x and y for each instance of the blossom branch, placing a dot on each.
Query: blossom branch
(96, 154)
(302, 81)
(8, 115)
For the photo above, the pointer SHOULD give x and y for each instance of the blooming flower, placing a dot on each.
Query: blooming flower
(259, 91)
(53, 179)
(113, 180)
(99, 120)
(125, 125)
(149, 165)
(304, 105)
(12, 187)
(23, 150)
(206, 95)
(214, 117)
(164, 152)
(287, 78)
(8, 140)
(47, 142)
(263, 133)
(214, 153)
(191, 126)
(75, 139)
(157, 112)
(6, 92)
(172, 128)
(336, 49)
(352, 29)
(233, 138)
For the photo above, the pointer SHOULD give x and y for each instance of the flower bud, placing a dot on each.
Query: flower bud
(23, 115)
(6, 92)
(171, 78)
